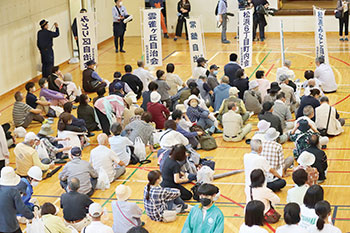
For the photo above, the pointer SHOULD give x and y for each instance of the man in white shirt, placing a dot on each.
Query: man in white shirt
(105, 158)
(285, 70)
(96, 226)
(173, 80)
(144, 75)
(232, 122)
(119, 144)
(254, 160)
(324, 73)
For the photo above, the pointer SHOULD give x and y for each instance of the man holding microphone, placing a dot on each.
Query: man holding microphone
(44, 43)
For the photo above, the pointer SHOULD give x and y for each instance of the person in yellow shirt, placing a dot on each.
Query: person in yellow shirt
(27, 156)
(53, 223)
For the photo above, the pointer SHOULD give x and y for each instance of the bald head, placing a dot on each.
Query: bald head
(102, 139)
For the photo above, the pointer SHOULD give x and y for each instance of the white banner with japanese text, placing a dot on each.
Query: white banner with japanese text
(152, 38)
(87, 38)
(320, 34)
(246, 37)
(195, 39)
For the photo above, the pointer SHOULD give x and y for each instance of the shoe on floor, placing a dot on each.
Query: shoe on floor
(122, 51)
(175, 39)
(346, 39)
(218, 130)
(225, 42)
(90, 134)
(116, 51)
(262, 39)
(166, 35)
(324, 147)
(341, 39)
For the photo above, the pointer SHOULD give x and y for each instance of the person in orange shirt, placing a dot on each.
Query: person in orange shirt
(159, 4)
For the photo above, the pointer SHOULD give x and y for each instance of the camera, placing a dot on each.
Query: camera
(266, 10)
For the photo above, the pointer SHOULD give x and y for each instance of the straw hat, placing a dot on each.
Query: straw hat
(306, 159)
(263, 125)
(9, 177)
(233, 91)
(46, 130)
(123, 192)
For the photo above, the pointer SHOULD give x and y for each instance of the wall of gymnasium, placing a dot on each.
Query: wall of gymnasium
(208, 18)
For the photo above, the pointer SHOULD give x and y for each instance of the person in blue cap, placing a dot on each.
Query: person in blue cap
(45, 43)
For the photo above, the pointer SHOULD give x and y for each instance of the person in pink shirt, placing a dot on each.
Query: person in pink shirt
(264, 84)
(54, 97)
(109, 109)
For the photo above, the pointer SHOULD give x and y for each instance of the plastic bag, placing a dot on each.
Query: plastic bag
(42, 152)
(169, 215)
(37, 226)
(205, 175)
(103, 180)
(140, 149)
(58, 110)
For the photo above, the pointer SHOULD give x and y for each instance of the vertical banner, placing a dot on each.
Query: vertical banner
(87, 38)
(320, 34)
(195, 38)
(246, 37)
(282, 43)
(152, 38)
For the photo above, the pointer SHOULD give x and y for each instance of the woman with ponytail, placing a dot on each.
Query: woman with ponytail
(292, 218)
(157, 199)
(323, 224)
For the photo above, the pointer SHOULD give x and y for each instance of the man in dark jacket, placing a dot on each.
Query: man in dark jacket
(91, 80)
(133, 81)
(75, 28)
(44, 43)
(231, 68)
(321, 158)
(259, 19)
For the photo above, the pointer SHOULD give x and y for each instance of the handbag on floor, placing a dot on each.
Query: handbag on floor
(323, 132)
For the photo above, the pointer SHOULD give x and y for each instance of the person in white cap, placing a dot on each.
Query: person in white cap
(158, 111)
(291, 100)
(234, 130)
(25, 187)
(96, 226)
(11, 202)
(27, 156)
(273, 152)
(263, 126)
(199, 115)
(233, 97)
(252, 98)
(125, 214)
(305, 160)
(102, 157)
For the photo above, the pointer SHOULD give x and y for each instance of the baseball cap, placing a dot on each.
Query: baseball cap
(95, 210)
(214, 67)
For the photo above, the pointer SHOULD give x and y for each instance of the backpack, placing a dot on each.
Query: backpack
(207, 142)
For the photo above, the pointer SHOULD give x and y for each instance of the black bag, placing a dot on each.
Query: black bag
(134, 159)
(194, 190)
(208, 162)
(323, 132)
(337, 14)
(63, 89)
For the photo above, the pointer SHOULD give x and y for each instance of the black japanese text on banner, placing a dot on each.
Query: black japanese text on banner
(246, 37)
(87, 38)
(195, 39)
(152, 37)
(320, 34)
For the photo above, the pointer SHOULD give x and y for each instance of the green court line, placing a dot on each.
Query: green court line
(260, 64)
(125, 180)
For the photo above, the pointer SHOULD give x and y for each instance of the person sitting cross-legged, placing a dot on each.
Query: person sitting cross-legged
(33, 101)
(23, 114)
(120, 145)
(273, 152)
(54, 97)
(305, 160)
(234, 130)
(101, 157)
(75, 206)
(126, 214)
(27, 156)
(80, 169)
(52, 222)
(252, 98)
(96, 226)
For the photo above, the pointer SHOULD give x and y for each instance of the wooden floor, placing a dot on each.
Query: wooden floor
(228, 156)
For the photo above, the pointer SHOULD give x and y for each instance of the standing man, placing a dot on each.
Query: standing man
(75, 28)
(159, 4)
(259, 19)
(222, 12)
(119, 27)
(44, 43)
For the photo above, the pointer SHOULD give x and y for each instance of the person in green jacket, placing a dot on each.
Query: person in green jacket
(213, 217)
